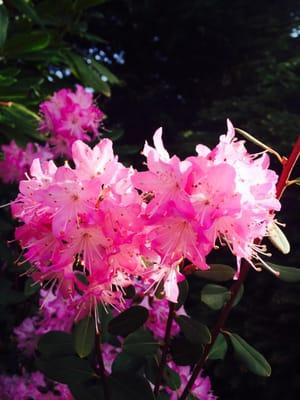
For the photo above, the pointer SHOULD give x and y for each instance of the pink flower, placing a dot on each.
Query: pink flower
(69, 116)
(17, 161)
(33, 386)
(201, 389)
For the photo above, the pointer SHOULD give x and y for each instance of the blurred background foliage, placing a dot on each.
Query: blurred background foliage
(186, 66)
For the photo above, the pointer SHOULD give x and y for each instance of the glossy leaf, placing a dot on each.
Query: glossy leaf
(250, 357)
(87, 391)
(171, 378)
(56, 344)
(128, 321)
(219, 348)
(140, 343)
(184, 352)
(26, 8)
(193, 330)
(31, 287)
(3, 24)
(20, 44)
(183, 293)
(125, 362)
(128, 386)
(287, 274)
(214, 296)
(216, 273)
(66, 370)
(84, 336)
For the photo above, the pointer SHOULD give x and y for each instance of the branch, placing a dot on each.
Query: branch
(288, 165)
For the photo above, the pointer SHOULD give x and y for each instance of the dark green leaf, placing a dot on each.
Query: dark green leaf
(84, 336)
(3, 24)
(140, 343)
(56, 343)
(105, 316)
(87, 391)
(31, 287)
(66, 370)
(216, 273)
(102, 70)
(84, 72)
(171, 378)
(151, 369)
(125, 362)
(219, 348)
(238, 296)
(193, 330)
(20, 44)
(287, 274)
(128, 321)
(128, 386)
(25, 8)
(215, 296)
(250, 357)
(83, 4)
(183, 293)
(184, 352)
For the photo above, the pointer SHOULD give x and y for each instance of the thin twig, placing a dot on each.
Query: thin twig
(288, 166)
(165, 348)
(100, 366)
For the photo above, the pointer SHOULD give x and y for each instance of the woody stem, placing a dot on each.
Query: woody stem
(287, 169)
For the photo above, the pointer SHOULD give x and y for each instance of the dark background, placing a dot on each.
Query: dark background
(187, 66)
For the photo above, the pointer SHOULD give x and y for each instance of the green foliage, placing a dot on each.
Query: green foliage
(128, 386)
(287, 274)
(84, 336)
(216, 273)
(193, 330)
(128, 321)
(215, 296)
(183, 293)
(219, 348)
(56, 344)
(140, 343)
(184, 352)
(250, 357)
(36, 40)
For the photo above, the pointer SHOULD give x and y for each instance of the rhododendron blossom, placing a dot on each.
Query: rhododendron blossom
(201, 388)
(17, 161)
(68, 116)
(111, 224)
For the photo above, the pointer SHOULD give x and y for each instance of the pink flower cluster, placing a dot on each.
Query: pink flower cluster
(32, 386)
(201, 388)
(95, 228)
(55, 314)
(17, 161)
(68, 116)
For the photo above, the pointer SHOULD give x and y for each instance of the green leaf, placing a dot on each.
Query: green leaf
(128, 386)
(87, 391)
(84, 336)
(3, 24)
(151, 369)
(140, 343)
(102, 70)
(287, 274)
(22, 43)
(171, 378)
(125, 362)
(214, 296)
(250, 357)
(183, 287)
(31, 287)
(216, 273)
(9, 296)
(184, 352)
(128, 321)
(25, 8)
(84, 72)
(238, 296)
(193, 330)
(66, 370)
(219, 348)
(84, 4)
(278, 238)
(105, 316)
(56, 344)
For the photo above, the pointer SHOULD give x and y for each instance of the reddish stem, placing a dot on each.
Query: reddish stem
(165, 348)
(287, 169)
